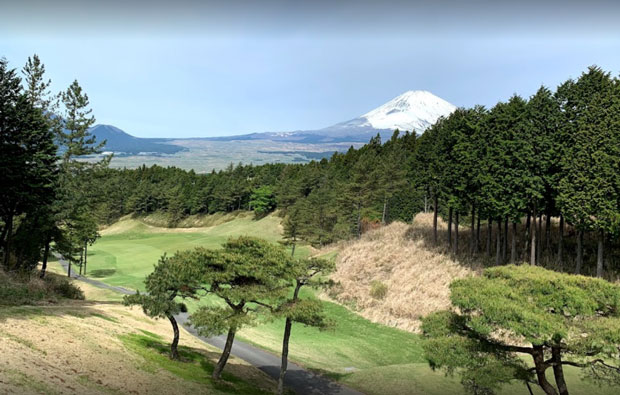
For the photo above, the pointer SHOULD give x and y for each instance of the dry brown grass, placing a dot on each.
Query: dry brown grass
(74, 348)
(398, 255)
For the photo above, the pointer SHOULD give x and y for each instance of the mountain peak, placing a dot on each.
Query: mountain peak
(414, 110)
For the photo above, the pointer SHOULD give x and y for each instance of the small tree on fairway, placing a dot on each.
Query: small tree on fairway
(291, 226)
(557, 319)
(306, 311)
(172, 277)
(247, 275)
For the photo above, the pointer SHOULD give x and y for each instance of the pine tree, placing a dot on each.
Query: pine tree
(27, 160)
(172, 278)
(76, 139)
(305, 272)
(247, 272)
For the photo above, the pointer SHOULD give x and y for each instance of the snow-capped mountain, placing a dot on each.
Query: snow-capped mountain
(412, 111)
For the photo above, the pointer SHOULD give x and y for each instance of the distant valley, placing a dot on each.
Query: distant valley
(411, 111)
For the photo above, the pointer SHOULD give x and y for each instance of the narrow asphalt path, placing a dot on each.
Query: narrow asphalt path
(297, 378)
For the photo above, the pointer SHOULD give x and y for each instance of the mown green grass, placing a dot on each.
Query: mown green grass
(126, 257)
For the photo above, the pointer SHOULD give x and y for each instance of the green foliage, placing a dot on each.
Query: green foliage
(246, 275)
(171, 278)
(508, 308)
(28, 160)
(589, 193)
(262, 200)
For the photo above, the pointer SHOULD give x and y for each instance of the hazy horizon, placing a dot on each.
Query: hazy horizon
(201, 69)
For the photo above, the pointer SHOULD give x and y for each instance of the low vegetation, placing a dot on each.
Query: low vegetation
(24, 289)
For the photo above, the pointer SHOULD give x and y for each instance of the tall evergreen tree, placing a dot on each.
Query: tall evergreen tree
(588, 191)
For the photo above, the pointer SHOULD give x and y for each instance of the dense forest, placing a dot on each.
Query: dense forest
(554, 157)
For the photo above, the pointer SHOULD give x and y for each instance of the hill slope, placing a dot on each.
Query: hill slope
(123, 143)
(398, 257)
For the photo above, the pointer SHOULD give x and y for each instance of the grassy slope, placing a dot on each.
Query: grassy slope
(127, 251)
(90, 347)
(367, 356)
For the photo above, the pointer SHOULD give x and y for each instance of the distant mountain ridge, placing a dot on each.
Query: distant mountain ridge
(121, 142)
(412, 111)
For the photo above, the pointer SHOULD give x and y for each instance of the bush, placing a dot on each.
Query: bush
(18, 290)
(64, 288)
(378, 290)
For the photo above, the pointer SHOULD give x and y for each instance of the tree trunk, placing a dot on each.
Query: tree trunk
(384, 216)
(287, 335)
(293, 250)
(174, 352)
(46, 252)
(489, 235)
(69, 269)
(478, 233)
(472, 239)
(85, 256)
(456, 233)
(579, 261)
(425, 203)
(558, 372)
(450, 227)
(513, 247)
(498, 242)
(217, 372)
(561, 244)
(538, 240)
(539, 366)
(527, 235)
(548, 232)
(599, 256)
(505, 240)
(533, 242)
(284, 364)
(435, 220)
(9, 237)
(81, 260)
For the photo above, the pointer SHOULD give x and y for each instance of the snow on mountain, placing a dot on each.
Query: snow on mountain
(413, 110)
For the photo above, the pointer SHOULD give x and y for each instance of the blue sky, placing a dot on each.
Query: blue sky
(190, 68)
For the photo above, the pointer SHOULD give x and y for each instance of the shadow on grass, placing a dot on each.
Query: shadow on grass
(193, 364)
(101, 273)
